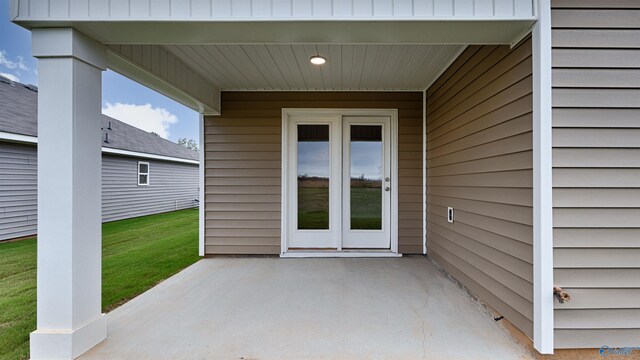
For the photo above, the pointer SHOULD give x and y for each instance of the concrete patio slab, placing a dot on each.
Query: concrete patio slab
(271, 308)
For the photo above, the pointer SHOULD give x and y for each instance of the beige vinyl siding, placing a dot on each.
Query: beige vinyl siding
(596, 171)
(479, 161)
(243, 166)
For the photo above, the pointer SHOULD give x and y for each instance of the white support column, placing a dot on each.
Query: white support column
(70, 320)
(201, 203)
(424, 172)
(543, 328)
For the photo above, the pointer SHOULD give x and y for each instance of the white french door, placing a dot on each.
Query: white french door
(366, 182)
(338, 182)
(314, 187)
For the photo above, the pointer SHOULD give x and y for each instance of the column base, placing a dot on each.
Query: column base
(51, 344)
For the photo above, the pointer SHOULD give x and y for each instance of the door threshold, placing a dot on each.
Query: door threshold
(351, 253)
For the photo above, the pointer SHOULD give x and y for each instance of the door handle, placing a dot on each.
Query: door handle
(387, 188)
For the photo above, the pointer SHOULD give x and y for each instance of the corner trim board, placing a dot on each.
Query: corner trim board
(543, 321)
(424, 172)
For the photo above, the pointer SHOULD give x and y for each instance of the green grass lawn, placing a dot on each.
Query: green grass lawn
(136, 255)
(366, 208)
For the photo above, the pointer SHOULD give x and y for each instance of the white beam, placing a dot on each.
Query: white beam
(69, 318)
(342, 31)
(160, 70)
(543, 327)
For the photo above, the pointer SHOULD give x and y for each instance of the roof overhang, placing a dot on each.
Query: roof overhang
(145, 50)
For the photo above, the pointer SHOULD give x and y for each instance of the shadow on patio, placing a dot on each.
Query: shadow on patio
(270, 308)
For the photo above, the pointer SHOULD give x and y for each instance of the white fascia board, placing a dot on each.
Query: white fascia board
(6, 136)
(106, 150)
(25, 139)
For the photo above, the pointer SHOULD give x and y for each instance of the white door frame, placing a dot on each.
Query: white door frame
(287, 113)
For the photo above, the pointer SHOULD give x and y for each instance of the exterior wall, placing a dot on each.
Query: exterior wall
(121, 196)
(479, 161)
(260, 9)
(596, 171)
(18, 187)
(243, 166)
(172, 186)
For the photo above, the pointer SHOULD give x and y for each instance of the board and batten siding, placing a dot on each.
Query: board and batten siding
(596, 171)
(479, 161)
(185, 10)
(18, 188)
(172, 186)
(243, 166)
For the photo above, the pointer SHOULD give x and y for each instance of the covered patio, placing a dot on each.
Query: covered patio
(269, 308)
(455, 95)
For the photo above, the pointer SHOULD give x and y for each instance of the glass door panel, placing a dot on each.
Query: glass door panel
(313, 177)
(314, 186)
(366, 177)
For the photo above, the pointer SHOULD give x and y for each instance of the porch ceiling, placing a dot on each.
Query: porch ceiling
(348, 67)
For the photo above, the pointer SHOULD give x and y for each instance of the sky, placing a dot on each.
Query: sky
(122, 98)
(366, 159)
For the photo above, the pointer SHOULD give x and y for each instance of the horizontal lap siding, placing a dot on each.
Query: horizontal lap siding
(243, 166)
(596, 171)
(479, 161)
(18, 190)
(172, 186)
(121, 196)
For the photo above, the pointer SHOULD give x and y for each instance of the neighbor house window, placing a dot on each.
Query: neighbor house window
(143, 173)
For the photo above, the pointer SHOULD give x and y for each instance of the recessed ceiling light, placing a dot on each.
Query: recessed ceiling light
(317, 60)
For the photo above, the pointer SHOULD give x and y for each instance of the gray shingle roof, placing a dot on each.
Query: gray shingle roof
(19, 115)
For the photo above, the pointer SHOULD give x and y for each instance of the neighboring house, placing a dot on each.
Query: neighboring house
(435, 127)
(142, 173)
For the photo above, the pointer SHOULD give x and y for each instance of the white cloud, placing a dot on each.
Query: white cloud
(10, 76)
(10, 64)
(145, 117)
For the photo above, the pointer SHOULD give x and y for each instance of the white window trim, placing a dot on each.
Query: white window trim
(286, 113)
(141, 173)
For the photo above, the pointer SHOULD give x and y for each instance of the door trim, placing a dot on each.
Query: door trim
(314, 112)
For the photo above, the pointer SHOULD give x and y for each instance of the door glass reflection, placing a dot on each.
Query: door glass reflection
(313, 177)
(366, 177)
